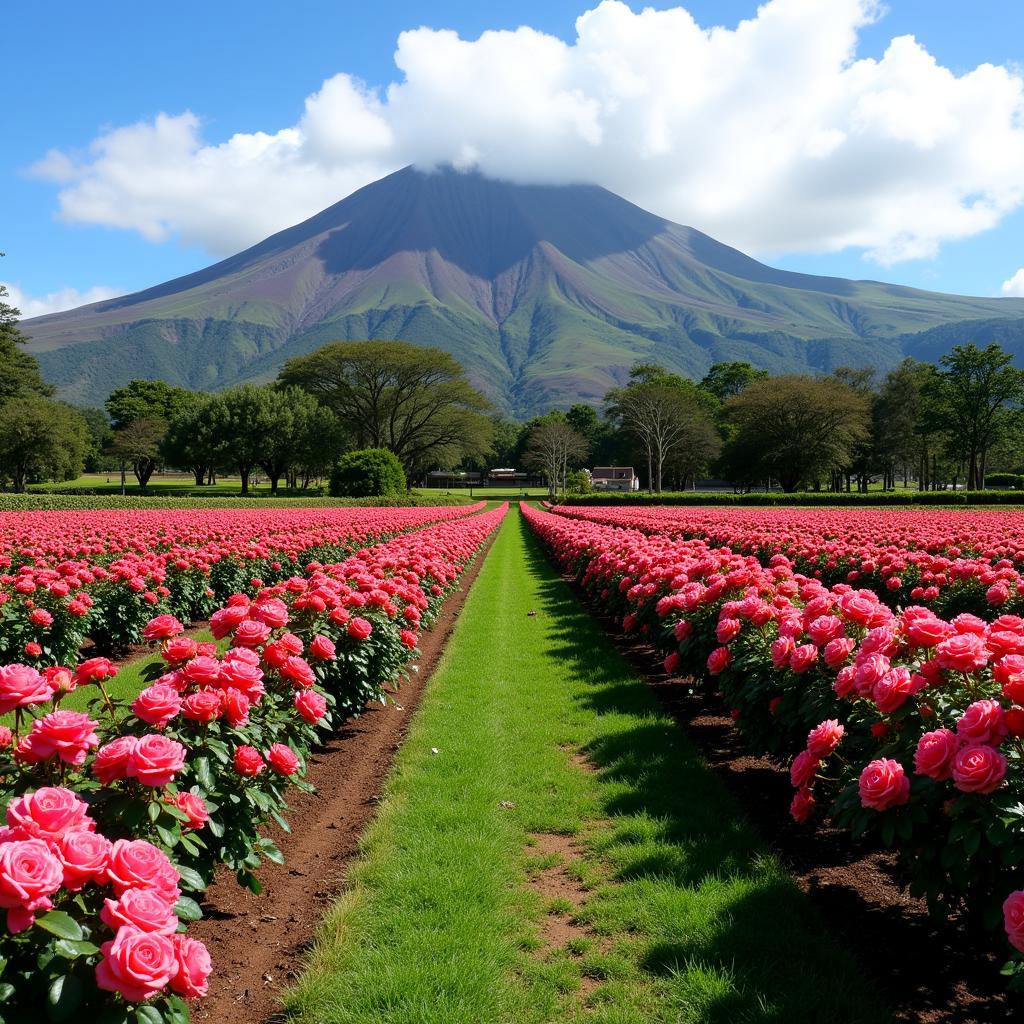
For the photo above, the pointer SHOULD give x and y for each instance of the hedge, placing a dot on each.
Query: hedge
(43, 502)
(961, 498)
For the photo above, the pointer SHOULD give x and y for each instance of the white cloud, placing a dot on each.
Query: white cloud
(55, 302)
(1015, 285)
(771, 135)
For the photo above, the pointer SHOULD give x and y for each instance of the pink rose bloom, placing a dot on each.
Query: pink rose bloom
(802, 805)
(719, 660)
(978, 769)
(982, 722)
(68, 734)
(248, 761)
(95, 670)
(203, 706)
(671, 663)
(728, 629)
(250, 634)
(869, 669)
(20, 686)
(202, 670)
(311, 706)
(1009, 673)
(59, 679)
(195, 807)
(1013, 919)
(136, 864)
(837, 651)
(883, 784)
(156, 760)
(157, 705)
(242, 676)
(359, 629)
(408, 638)
(825, 628)
(194, 967)
(235, 706)
(85, 856)
(934, 754)
(179, 648)
(30, 874)
(682, 630)
(40, 617)
(805, 766)
(823, 739)
(136, 964)
(891, 691)
(322, 648)
(846, 677)
(803, 658)
(965, 652)
(111, 760)
(298, 672)
(272, 611)
(283, 759)
(144, 909)
(782, 648)
(47, 814)
(162, 627)
(225, 620)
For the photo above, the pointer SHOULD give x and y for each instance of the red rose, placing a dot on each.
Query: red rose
(322, 648)
(179, 648)
(248, 762)
(359, 629)
(202, 706)
(283, 759)
(883, 784)
(719, 660)
(802, 805)
(311, 706)
(235, 706)
(194, 806)
(162, 627)
(1013, 919)
(805, 766)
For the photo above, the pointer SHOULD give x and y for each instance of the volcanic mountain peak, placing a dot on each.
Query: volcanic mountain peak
(546, 293)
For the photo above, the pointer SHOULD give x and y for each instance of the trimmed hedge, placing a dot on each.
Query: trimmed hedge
(366, 473)
(46, 502)
(961, 498)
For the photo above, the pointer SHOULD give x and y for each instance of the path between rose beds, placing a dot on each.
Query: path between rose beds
(550, 847)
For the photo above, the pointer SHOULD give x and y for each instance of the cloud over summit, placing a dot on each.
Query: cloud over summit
(772, 136)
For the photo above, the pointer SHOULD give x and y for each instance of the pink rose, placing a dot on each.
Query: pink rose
(837, 651)
(156, 760)
(157, 705)
(408, 638)
(719, 660)
(322, 648)
(728, 629)
(823, 739)
(179, 648)
(242, 676)
(202, 670)
(95, 670)
(1013, 919)
(298, 672)
(825, 628)
(802, 805)
(283, 759)
(47, 814)
(194, 807)
(68, 734)
(883, 784)
(235, 706)
(803, 658)
(20, 686)
(250, 634)
(805, 766)
(359, 628)
(934, 754)
(136, 864)
(671, 663)
(782, 648)
(30, 873)
(271, 611)
(248, 762)
(40, 617)
(85, 856)
(162, 627)
(225, 620)
(965, 652)
(144, 909)
(112, 759)
(982, 722)
(202, 706)
(194, 967)
(311, 706)
(891, 691)
(136, 964)
(978, 769)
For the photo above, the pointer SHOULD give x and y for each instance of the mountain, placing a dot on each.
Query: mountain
(546, 294)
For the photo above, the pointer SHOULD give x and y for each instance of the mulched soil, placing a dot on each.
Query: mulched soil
(257, 942)
(928, 971)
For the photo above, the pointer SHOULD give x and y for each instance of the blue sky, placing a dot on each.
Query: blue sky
(77, 71)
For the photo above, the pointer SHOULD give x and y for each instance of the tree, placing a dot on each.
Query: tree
(976, 390)
(666, 414)
(40, 440)
(137, 444)
(99, 434)
(794, 429)
(724, 380)
(297, 421)
(191, 441)
(19, 372)
(553, 448)
(389, 394)
(243, 419)
(146, 400)
(902, 438)
(370, 473)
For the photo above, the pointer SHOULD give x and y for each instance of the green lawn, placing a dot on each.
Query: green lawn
(469, 905)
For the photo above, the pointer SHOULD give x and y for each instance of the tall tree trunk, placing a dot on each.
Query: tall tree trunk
(244, 474)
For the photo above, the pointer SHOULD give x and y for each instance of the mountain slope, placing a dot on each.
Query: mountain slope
(547, 294)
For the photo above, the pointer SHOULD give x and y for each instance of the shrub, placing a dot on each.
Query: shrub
(1004, 481)
(368, 473)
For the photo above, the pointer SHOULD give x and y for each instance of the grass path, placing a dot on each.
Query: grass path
(550, 848)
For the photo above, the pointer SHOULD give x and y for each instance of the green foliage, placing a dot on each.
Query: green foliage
(578, 482)
(146, 399)
(40, 440)
(1004, 481)
(370, 472)
(781, 498)
(725, 380)
(19, 372)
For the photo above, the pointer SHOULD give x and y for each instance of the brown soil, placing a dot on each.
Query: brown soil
(257, 942)
(929, 971)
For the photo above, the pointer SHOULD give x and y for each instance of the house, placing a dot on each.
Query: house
(614, 478)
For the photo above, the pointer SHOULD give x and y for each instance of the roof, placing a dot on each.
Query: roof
(611, 470)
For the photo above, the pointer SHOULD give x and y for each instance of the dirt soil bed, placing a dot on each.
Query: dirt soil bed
(929, 972)
(257, 942)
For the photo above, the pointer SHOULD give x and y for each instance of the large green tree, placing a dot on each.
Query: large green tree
(795, 429)
(19, 372)
(40, 440)
(724, 380)
(416, 401)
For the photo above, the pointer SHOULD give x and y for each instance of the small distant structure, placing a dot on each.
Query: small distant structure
(614, 478)
(507, 476)
(451, 478)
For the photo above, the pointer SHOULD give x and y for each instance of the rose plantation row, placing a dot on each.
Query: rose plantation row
(903, 725)
(117, 816)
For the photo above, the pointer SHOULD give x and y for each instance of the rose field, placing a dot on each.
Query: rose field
(427, 764)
